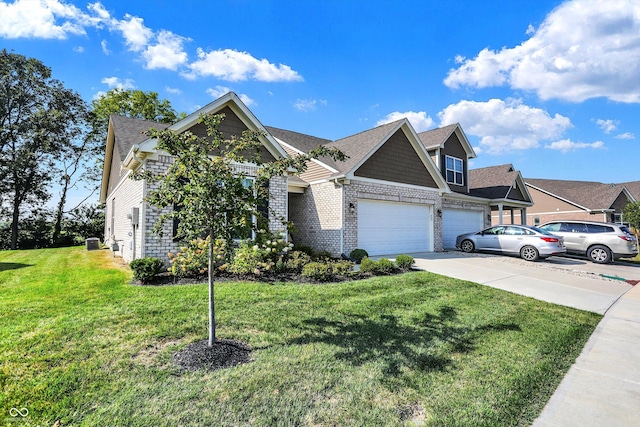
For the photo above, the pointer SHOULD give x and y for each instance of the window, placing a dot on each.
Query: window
(454, 170)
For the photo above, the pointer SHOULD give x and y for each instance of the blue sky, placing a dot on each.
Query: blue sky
(550, 86)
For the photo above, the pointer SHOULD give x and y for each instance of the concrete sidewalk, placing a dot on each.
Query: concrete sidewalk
(603, 387)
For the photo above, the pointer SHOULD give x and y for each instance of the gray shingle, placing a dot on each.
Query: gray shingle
(129, 131)
(588, 194)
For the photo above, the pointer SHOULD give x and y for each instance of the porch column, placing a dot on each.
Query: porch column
(499, 213)
(523, 216)
(512, 216)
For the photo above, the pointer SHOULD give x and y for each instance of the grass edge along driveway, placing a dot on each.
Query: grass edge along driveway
(81, 346)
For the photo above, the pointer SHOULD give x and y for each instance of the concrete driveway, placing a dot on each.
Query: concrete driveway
(559, 280)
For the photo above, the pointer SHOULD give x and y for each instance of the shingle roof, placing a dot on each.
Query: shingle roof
(493, 182)
(433, 138)
(634, 189)
(588, 194)
(129, 131)
(356, 147)
(302, 142)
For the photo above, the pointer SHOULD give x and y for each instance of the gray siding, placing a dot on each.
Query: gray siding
(397, 161)
(453, 147)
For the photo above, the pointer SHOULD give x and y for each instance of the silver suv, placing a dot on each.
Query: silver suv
(601, 242)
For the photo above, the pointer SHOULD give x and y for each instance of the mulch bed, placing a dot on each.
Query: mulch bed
(223, 354)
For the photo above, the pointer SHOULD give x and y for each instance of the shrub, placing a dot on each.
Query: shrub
(342, 267)
(320, 271)
(367, 265)
(384, 266)
(357, 255)
(250, 259)
(145, 269)
(404, 262)
(323, 255)
(296, 260)
(193, 259)
(304, 248)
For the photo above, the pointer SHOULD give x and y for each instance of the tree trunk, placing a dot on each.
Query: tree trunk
(212, 313)
(57, 227)
(14, 221)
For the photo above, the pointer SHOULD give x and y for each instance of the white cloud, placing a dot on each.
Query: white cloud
(47, 19)
(567, 145)
(167, 53)
(232, 65)
(218, 91)
(172, 90)
(582, 50)
(78, 49)
(505, 126)
(608, 125)
(116, 82)
(626, 135)
(308, 104)
(419, 120)
(135, 33)
(105, 48)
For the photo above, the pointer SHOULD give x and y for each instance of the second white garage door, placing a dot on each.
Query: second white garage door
(459, 221)
(392, 228)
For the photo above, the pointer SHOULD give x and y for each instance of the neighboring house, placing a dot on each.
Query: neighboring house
(504, 186)
(580, 200)
(398, 192)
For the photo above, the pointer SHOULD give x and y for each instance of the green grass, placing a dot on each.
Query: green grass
(81, 346)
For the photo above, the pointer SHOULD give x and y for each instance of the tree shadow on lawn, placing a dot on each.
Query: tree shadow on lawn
(5, 266)
(426, 344)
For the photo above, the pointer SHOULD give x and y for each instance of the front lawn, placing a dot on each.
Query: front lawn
(82, 346)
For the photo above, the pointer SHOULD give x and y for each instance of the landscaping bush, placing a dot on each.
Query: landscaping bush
(323, 255)
(267, 252)
(250, 259)
(320, 271)
(296, 260)
(193, 259)
(145, 269)
(384, 266)
(405, 262)
(306, 249)
(367, 265)
(342, 267)
(357, 255)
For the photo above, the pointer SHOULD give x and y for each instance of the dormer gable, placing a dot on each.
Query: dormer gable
(450, 150)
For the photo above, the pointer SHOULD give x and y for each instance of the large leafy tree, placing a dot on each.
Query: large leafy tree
(632, 216)
(38, 118)
(211, 190)
(132, 103)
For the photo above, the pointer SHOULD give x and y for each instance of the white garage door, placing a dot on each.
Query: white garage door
(459, 221)
(392, 228)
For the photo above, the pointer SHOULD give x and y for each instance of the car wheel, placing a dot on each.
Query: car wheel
(529, 253)
(467, 246)
(599, 254)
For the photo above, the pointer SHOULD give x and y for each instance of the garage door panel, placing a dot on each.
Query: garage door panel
(392, 227)
(459, 221)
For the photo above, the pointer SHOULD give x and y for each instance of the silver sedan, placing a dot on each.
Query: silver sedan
(530, 243)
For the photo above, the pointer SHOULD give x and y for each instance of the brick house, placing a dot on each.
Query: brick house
(398, 192)
(579, 200)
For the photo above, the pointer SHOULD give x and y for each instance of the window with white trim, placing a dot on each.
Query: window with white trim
(454, 170)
